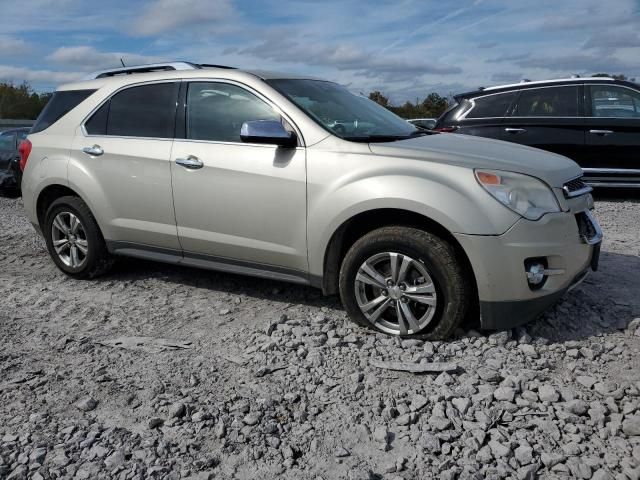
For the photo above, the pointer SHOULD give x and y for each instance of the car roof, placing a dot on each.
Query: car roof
(542, 83)
(121, 77)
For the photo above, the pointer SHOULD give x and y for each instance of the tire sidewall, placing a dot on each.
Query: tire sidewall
(71, 205)
(447, 293)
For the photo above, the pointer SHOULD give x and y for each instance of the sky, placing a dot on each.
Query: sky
(404, 48)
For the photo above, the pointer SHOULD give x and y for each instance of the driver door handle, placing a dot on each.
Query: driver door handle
(514, 130)
(190, 162)
(604, 133)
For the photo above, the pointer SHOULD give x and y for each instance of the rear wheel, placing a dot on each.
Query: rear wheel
(405, 281)
(74, 239)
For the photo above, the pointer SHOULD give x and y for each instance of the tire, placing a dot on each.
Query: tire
(438, 302)
(92, 257)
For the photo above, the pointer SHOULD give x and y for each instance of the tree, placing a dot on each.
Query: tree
(620, 76)
(431, 107)
(21, 102)
(434, 105)
(379, 98)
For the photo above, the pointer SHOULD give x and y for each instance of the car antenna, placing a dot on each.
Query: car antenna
(122, 62)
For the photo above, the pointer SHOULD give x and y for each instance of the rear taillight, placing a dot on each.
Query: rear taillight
(24, 149)
(446, 129)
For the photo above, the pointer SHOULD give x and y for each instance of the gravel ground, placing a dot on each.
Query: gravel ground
(166, 372)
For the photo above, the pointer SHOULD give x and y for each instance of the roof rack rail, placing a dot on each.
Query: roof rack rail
(212, 65)
(152, 67)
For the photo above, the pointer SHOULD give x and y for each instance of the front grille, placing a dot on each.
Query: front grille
(575, 188)
(586, 228)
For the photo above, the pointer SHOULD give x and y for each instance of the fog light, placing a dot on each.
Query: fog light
(535, 274)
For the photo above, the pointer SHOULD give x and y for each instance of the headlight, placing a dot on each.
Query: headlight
(525, 195)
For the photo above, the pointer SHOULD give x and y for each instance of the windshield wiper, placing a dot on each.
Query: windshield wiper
(385, 138)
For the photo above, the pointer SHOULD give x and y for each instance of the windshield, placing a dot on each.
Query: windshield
(344, 114)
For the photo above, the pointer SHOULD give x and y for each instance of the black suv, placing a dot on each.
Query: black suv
(10, 174)
(595, 121)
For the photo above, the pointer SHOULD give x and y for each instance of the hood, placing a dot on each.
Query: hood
(478, 152)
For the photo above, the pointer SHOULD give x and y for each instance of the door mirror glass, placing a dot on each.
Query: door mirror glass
(269, 132)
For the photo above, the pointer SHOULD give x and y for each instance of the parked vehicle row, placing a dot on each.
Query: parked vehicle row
(594, 121)
(298, 179)
(10, 173)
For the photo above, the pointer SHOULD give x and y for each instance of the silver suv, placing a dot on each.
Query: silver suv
(297, 179)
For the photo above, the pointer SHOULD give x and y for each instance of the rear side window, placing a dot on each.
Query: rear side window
(61, 103)
(614, 102)
(492, 105)
(143, 111)
(547, 102)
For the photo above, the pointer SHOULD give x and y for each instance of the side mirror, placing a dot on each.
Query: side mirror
(270, 132)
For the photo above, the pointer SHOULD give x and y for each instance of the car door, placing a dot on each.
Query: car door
(484, 116)
(613, 133)
(548, 118)
(121, 159)
(237, 203)
(8, 151)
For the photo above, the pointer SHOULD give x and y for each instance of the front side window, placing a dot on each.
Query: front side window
(7, 142)
(344, 114)
(144, 111)
(216, 111)
(547, 102)
(491, 106)
(616, 102)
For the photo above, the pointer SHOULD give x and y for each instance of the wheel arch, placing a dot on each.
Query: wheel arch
(364, 222)
(48, 195)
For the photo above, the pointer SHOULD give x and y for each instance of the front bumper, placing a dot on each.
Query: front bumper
(569, 249)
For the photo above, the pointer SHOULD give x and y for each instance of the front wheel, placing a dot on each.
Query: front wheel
(405, 281)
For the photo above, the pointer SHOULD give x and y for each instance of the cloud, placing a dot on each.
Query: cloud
(12, 46)
(88, 58)
(12, 74)
(577, 63)
(346, 58)
(161, 16)
(613, 39)
(506, 77)
(405, 48)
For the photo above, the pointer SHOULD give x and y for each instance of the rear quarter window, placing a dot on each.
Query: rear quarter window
(61, 103)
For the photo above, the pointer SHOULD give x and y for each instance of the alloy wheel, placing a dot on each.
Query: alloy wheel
(69, 239)
(395, 293)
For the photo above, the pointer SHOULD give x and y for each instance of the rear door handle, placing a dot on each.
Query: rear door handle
(604, 133)
(94, 151)
(190, 162)
(514, 130)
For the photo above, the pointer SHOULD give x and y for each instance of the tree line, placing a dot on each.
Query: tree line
(431, 107)
(21, 102)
